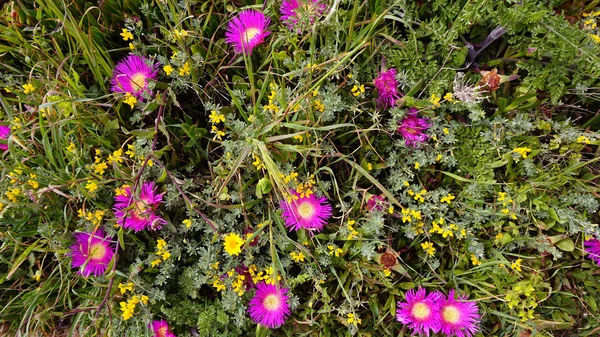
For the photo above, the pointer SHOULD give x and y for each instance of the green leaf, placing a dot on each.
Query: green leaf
(566, 244)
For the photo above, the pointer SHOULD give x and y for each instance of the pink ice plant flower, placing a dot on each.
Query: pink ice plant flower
(132, 74)
(161, 329)
(139, 213)
(387, 88)
(376, 203)
(305, 211)
(420, 312)
(269, 307)
(592, 247)
(4, 133)
(91, 252)
(458, 318)
(247, 30)
(412, 129)
(296, 13)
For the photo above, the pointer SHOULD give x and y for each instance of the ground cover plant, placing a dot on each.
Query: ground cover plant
(299, 167)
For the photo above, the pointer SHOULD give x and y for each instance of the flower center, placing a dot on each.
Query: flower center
(97, 251)
(451, 314)
(250, 33)
(162, 331)
(138, 81)
(411, 130)
(139, 209)
(420, 310)
(272, 302)
(306, 210)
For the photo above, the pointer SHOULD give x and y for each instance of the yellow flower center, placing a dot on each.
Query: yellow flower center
(271, 302)
(138, 81)
(97, 251)
(139, 209)
(306, 210)
(451, 314)
(250, 33)
(411, 130)
(162, 331)
(420, 310)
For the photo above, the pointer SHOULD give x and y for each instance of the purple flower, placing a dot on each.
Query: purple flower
(376, 203)
(247, 30)
(4, 133)
(305, 211)
(92, 252)
(161, 329)
(420, 312)
(592, 246)
(458, 317)
(297, 14)
(387, 92)
(413, 128)
(139, 213)
(132, 75)
(269, 307)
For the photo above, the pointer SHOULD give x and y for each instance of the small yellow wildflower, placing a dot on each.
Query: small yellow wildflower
(516, 265)
(446, 131)
(583, 139)
(449, 97)
(448, 199)
(91, 186)
(357, 90)
(595, 37)
(168, 69)
(71, 147)
(233, 244)
(123, 288)
(28, 88)
(435, 100)
(391, 210)
(387, 272)
(297, 256)
(165, 255)
(501, 196)
(126, 34)
(100, 168)
(144, 299)
(523, 151)
(180, 33)
(428, 248)
(155, 263)
(34, 184)
(187, 223)
(319, 106)
(417, 165)
(474, 260)
(370, 166)
(129, 99)
(218, 133)
(353, 319)
(185, 70)
(38, 275)
(218, 284)
(216, 117)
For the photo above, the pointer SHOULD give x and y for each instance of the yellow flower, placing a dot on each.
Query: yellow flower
(91, 187)
(501, 196)
(28, 88)
(129, 99)
(595, 37)
(449, 97)
(166, 255)
(516, 265)
(216, 117)
(123, 288)
(435, 100)
(358, 90)
(161, 245)
(391, 210)
(583, 139)
(126, 35)
(185, 70)
(369, 166)
(474, 260)
(232, 244)
(34, 184)
(131, 46)
(448, 199)
(37, 276)
(319, 106)
(387, 272)
(187, 223)
(100, 168)
(353, 319)
(180, 33)
(168, 70)
(428, 248)
(144, 299)
(71, 147)
(417, 165)
(219, 285)
(297, 257)
(155, 263)
(218, 133)
(523, 151)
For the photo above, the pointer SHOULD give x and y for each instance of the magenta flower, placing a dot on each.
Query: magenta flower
(376, 203)
(92, 252)
(297, 14)
(247, 30)
(269, 307)
(592, 246)
(139, 213)
(305, 211)
(161, 329)
(387, 92)
(413, 128)
(132, 75)
(420, 312)
(458, 317)
(4, 133)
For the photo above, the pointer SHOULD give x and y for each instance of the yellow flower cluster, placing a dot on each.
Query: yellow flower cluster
(128, 308)
(428, 248)
(292, 177)
(126, 34)
(297, 256)
(187, 223)
(474, 260)
(505, 210)
(417, 196)
(583, 140)
(266, 275)
(94, 217)
(162, 251)
(353, 232)
(272, 106)
(448, 198)
(353, 319)
(523, 151)
(435, 100)
(186, 69)
(319, 106)
(335, 250)
(446, 231)
(358, 90)
(449, 97)
(12, 194)
(130, 99)
(516, 265)
(521, 296)
(238, 284)
(28, 88)
(408, 215)
(123, 288)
